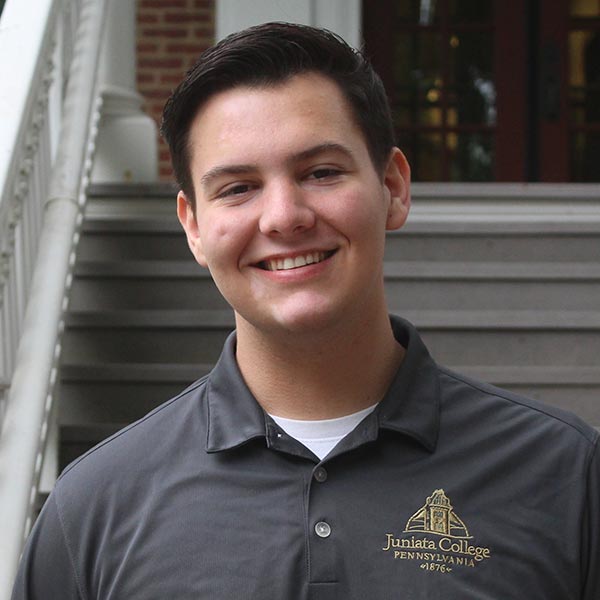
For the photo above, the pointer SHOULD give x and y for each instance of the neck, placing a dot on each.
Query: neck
(319, 375)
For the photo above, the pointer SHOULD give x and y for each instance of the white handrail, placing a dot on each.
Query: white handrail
(25, 155)
(34, 366)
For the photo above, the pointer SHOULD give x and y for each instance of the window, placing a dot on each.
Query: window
(485, 90)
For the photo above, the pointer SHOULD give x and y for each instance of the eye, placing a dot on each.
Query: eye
(324, 173)
(238, 189)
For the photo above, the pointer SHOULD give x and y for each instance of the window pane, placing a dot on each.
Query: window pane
(417, 79)
(472, 157)
(417, 12)
(585, 8)
(470, 11)
(425, 154)
(440, 79)
(585, 157)
(584, 76)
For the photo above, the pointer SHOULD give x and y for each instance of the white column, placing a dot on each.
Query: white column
(126, 148)
(340, 16)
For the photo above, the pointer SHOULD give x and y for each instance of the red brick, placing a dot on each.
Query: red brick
(207, 32)
(178, 48)
(161, 4)
(147, 47)
(171, 34)
(166, 33)
(180, 17)
(147, 18)
(174, 62)
(157, 94)
(189, 17)
(170, 78)
(145, 77)
(156, 108)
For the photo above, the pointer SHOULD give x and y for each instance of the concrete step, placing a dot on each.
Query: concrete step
(483, 244)
(573, 388)
(109, 393)
(77, 439)
(149, 284)
(183, 284)
(114, 240)
(455, 337)
(117, 394)
(137, 336)
(162, 238)
(139, 221)
(502, 289)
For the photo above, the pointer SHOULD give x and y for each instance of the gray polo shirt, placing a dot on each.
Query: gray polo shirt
(450, 489)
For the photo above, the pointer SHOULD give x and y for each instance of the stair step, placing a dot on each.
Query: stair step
(454, 337)
(134, 373)
(140, 191)
(77, 439)
(508, 292)
(152, 319)
(160, 239)
(474, 271)
(140, 336)
(429, 243)
(522, 271)
(517, 286)
(106, 403)
(574, 388)
(555, 376)
(528, 320)
(184, 373)
(120, 392)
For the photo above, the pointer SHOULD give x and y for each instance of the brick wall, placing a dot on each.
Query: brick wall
(170, 36)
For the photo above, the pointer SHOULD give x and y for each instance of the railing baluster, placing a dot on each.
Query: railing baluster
(39, 209)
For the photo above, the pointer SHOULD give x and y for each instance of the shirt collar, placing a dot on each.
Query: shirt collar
(410, 406)
(412, 403)
(234, 416)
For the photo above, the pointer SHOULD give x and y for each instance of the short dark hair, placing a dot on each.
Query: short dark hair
(270, 54)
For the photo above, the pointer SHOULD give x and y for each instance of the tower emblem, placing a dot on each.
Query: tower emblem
(437, 517)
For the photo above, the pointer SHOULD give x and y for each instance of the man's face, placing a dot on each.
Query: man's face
(290, 213)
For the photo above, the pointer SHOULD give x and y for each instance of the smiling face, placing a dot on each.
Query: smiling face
(290, 212)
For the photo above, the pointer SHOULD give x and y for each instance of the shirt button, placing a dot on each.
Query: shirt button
(323, 529)
(320, 474)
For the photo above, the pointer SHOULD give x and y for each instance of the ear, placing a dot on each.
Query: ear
(187, 218)
(396, 179)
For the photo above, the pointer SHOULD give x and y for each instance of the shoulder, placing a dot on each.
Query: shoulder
(144, 445)
(497, 409)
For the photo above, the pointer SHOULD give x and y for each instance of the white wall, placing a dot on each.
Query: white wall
(340, 16)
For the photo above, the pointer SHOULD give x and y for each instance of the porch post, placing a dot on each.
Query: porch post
(127, 139)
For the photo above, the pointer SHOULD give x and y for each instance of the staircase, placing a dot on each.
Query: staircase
(515, 304)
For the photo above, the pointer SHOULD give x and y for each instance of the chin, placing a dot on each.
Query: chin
(310, 319)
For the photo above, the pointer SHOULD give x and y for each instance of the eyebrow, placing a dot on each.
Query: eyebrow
(242, 169)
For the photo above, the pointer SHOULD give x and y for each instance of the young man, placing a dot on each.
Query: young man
(326, 455)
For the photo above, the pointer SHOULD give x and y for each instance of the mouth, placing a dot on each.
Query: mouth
(295, 262)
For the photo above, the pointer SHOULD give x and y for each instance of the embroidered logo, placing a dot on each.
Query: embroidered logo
(438, 517)
(436, 537)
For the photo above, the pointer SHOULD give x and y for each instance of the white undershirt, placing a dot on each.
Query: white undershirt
(322, 436)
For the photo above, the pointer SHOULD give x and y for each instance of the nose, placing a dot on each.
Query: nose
(285, 211)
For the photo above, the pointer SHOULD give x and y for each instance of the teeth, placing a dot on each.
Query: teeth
(299, 261)
(283, 264)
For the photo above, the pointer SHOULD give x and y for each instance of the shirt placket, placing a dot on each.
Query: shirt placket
(322, 536)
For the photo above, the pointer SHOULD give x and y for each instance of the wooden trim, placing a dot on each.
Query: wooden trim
(510, 74)
(553, 129)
